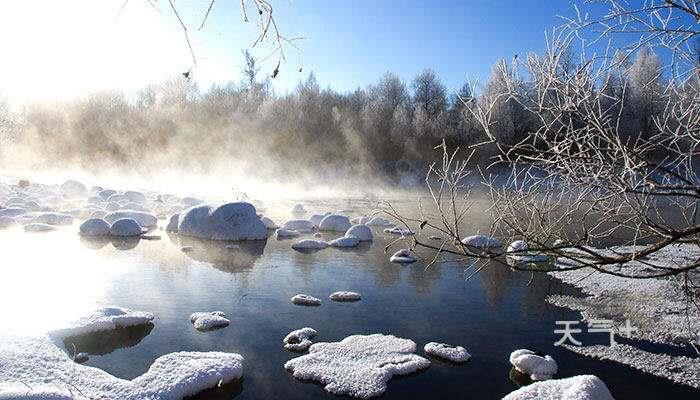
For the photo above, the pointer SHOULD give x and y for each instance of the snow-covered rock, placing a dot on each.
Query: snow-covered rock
(188, 202)
(7, 222)
(345, 241)
(359, 366)
(298, 340)
(34, 227)
(145, 220)
(302, 299)
(378, 221)
(362, 232)
(72, 188)
(517, 246)
(94, 227)
(581, 387)
(317, 218)
(106, 193)
(299, 225)
(285, 233)
(457, 354)
(136, 197)
(269, 224)
(104, 319)
(310, 244)
(403, 256)
(54, 219)
(12, 212)
(125, 227)
(399, 231)
(231, 221)
(481, 242)
(37, 363)
(173, 223)
(298, 209)
(334, 223)
(538, 367)
(345, 296)
(206, 321)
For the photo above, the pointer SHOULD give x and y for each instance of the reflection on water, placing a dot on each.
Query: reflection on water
(49, 280)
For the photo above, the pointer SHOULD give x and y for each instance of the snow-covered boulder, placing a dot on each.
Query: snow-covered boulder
(359, 366)
(310, 244)
(298, 340)
(7, 222)
(106, 193)
(173, 223)
(299, 225)
(54, 219)
(102, 320)
(538, 367)
(345, 296)
(94, 227)
(12, 212)
(135, 197)
(298, 209)
(457, 354)
(231, 221)
(135, 207)
(403, 256)
(302, 299)
(481, 242)
(269, 224)
(34, 227)
(207, 321)
(581, 387)
(145, 220)
(363, 233)
(72, 188)
(285, 233)
(517, 246)
(125, 227)
(188, 202)
(334, 223)
(317, 218)
(345, 241)
(378, 221)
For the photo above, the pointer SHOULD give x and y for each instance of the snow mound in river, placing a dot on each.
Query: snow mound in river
(125, 227)
(298, 340)
(94, 227)
(359, 366)
(306, 300)
(104, 319)
(144, 219)
(403, 256)
(310, 244)
(335, 223)
(345, 296)
(207, 321)
(581, 387)
(538, 367)
(362, 232)
(231, 221)
(481, 241)
(38, 363)
(457, 354)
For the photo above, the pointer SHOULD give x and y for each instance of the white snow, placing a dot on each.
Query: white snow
(362, 232)
(345, 296)
(481, 241)
(145, 220)
(345, 241)
(399, 231)
(39, 363)
(39, 228)
(54, 219)
(231, 221)
(306, 300)
(269, 224)
(299, 225)
(359, 366)
(104, 319)
(125, 227)
(298, 340)
(94, 227)
(538, 367)
(517, 246)
(581, 387)
(6, 222)
(457, 354)
(173, 223)
(285, 233)
(334, 223)
(12, 212)
(310, 244)
(403, 256)
(206, 321)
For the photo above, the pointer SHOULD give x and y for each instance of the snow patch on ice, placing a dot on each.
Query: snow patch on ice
(581, 387)
(359, 366)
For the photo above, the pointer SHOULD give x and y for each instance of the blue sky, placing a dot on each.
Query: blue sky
(74, 47)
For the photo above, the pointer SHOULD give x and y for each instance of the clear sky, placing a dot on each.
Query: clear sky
(66, 48)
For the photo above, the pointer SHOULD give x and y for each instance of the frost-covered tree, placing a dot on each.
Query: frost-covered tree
(645, 77)
(430, 104)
